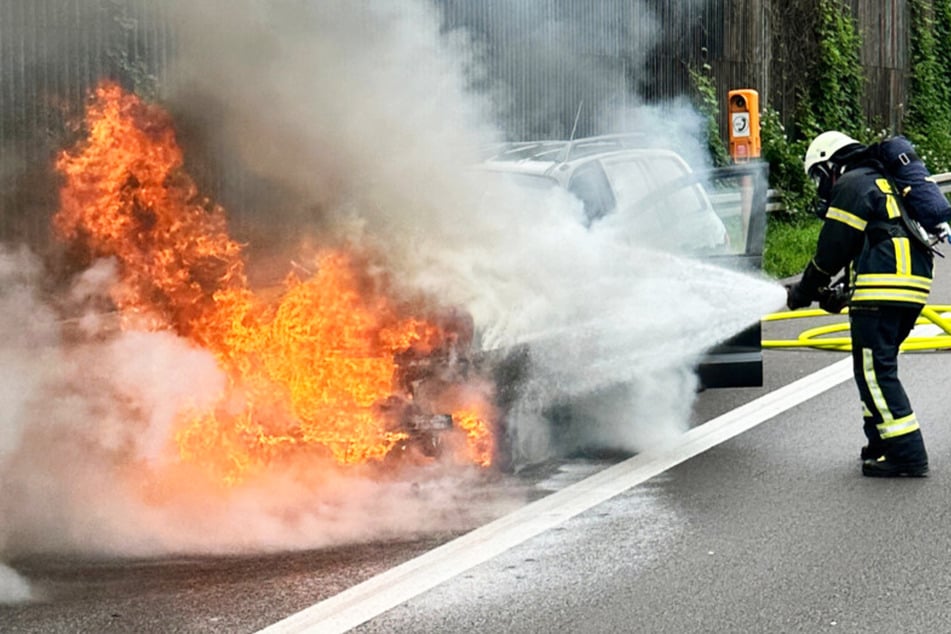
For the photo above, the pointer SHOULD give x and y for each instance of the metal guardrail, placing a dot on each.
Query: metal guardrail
(728, 204)
(944, 182)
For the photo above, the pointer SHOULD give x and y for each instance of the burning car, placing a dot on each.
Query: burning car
(342, 365)
(339, 366)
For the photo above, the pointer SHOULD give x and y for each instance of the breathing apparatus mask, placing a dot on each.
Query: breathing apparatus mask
(823, 170)
(824, 176)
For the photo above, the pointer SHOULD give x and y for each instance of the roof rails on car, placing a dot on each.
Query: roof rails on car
(527, 151)
(561, 151)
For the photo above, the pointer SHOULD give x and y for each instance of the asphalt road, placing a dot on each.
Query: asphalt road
(770, 530)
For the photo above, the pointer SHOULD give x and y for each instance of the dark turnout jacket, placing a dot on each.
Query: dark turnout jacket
(863, 227)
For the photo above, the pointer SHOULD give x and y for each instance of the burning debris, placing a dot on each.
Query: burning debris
(340, 365)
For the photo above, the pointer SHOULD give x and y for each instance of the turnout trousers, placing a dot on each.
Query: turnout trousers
(890, 423)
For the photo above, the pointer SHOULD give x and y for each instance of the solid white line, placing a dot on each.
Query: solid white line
(387, 590)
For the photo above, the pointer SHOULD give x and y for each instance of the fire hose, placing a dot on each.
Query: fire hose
(821, 337)
(834, 299)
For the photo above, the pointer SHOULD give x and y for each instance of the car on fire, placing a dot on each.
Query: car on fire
(718, 215)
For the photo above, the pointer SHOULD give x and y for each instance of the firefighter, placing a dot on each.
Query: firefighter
(890, 278)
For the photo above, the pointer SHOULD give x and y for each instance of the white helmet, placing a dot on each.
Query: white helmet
(824, 146)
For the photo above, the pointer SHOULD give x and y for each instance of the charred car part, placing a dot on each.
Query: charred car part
(429, 379)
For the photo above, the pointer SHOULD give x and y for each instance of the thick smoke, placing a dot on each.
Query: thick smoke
(369, 114)
(366, 118)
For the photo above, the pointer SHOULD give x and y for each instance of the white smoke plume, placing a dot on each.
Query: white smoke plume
(366, 111)
(363, 114)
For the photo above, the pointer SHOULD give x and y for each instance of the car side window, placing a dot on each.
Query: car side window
(590, 184)
(683, 202)
(655, 191)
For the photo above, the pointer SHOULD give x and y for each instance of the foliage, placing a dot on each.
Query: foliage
(928, 122)
(706, 101)
(790, 245)
(832, 101)
(834, 97)
(785, 163)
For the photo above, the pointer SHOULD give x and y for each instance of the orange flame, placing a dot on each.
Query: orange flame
(316, 371)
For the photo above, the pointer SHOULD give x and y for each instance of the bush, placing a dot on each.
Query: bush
(785, 165)
(705, 100)
(928, 123)
(832, 102)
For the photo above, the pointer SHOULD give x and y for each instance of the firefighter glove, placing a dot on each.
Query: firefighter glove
(795, 298)
(806, 291)
(834, 298)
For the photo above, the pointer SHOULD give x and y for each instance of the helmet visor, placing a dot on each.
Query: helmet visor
(824, 178)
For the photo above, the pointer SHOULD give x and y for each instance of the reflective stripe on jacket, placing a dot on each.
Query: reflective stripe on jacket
(863, 228)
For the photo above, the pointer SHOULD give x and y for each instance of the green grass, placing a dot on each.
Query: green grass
(790, 244)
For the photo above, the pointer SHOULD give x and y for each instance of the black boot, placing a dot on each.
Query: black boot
(875, 447)
(872, 450)
(885, 468)
(904, 456)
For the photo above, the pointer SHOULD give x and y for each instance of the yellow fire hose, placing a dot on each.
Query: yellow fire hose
(820, 336)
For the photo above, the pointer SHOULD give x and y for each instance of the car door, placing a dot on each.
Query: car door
(738, 195)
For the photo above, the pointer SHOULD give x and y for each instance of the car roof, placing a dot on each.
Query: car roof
(541, 158)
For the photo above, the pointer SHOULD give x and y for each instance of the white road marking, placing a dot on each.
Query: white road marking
(375, 596)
